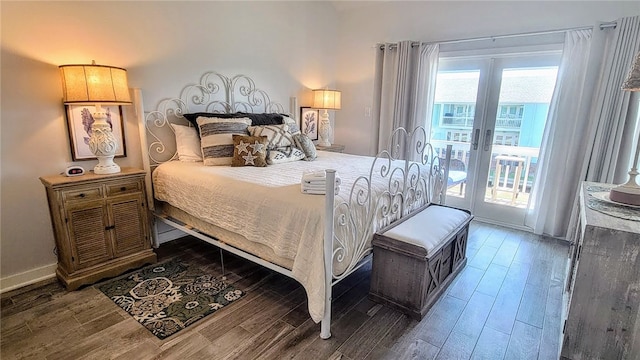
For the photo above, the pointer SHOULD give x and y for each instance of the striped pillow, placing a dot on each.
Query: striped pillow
(216, 138)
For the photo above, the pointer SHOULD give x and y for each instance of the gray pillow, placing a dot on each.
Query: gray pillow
(304, 143)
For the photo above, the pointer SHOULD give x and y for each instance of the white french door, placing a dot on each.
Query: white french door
(493, 110)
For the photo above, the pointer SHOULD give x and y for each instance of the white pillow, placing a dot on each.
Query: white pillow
(187, 143)
(294, 129)
(284, 155)
(277, 135)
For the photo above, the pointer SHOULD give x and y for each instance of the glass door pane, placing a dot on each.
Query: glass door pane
(454, 114)
(518, 103)
(523, 105)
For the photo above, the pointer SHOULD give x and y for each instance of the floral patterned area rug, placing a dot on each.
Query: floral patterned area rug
(169, 296)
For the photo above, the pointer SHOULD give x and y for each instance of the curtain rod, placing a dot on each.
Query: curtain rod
(603, 26)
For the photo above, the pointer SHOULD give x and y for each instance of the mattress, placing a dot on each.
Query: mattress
(226, 236)
(266, 207)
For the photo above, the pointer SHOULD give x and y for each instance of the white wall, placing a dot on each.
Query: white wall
(363, 24)
(164, 46)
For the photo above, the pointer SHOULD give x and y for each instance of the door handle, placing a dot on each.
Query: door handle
(487, 140)
(476, 137)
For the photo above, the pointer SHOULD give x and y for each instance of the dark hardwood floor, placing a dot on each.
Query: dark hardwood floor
(506, 304)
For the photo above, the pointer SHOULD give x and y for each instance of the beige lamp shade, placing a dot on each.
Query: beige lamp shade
(327, 99)
(632, 82)
(91, 84)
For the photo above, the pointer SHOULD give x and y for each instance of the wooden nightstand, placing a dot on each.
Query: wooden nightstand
(100, 223)
(333, 148)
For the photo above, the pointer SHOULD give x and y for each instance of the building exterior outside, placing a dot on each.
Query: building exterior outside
(521, 116)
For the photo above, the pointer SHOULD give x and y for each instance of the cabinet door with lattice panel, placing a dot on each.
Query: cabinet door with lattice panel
(127, 216)
(89, 243)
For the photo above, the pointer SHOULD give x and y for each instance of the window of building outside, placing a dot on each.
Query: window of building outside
(458, 120)
(457, 115)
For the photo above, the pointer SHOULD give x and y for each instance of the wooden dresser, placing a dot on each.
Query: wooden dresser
(602, 298)
(101, 225)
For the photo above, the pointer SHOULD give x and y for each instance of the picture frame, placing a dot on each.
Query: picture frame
(309, 121)
(79, 120)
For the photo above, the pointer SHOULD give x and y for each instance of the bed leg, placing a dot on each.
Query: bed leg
(325, 326)
(224, 276)
(155, 242)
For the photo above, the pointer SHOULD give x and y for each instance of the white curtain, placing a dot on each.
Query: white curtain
(611, 139)
(404, 87)
(562, 148)
(590, 127)
(427, 76)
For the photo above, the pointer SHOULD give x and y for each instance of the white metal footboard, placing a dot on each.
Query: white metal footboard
(409, 169)
(413, 176)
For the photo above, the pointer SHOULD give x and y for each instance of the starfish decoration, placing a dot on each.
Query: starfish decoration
(242, 147)
(248, 159)
(257, 147)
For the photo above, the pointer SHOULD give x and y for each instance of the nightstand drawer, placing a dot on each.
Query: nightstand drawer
(82, 194)
(122, 188)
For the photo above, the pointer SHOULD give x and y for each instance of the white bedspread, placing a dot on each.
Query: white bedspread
(265, 205)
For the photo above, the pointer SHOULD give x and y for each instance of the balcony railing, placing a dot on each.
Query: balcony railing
(526, 155)
(508, 123)
(466, 121)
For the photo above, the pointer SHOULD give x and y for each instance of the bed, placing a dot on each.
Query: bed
(261, 214)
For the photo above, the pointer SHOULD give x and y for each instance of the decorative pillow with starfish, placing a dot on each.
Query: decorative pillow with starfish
(249, 151)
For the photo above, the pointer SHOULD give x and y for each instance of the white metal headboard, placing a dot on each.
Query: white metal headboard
(407, 189)
(214, 93)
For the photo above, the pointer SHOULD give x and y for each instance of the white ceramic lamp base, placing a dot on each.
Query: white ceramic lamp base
(106, 166)
(324, 130)
(103, 144)
(628, 193)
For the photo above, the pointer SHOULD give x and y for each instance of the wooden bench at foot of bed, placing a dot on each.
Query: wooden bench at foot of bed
(417, 257)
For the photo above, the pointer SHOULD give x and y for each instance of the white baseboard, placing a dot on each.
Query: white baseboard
(47, 272)
(507, 225)
(16, 281)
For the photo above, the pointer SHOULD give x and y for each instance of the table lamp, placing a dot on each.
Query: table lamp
(629, 193)
(96, 85)
(326, 100)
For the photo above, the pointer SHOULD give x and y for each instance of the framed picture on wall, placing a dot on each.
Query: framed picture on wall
(79, 121)
(309, 119)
